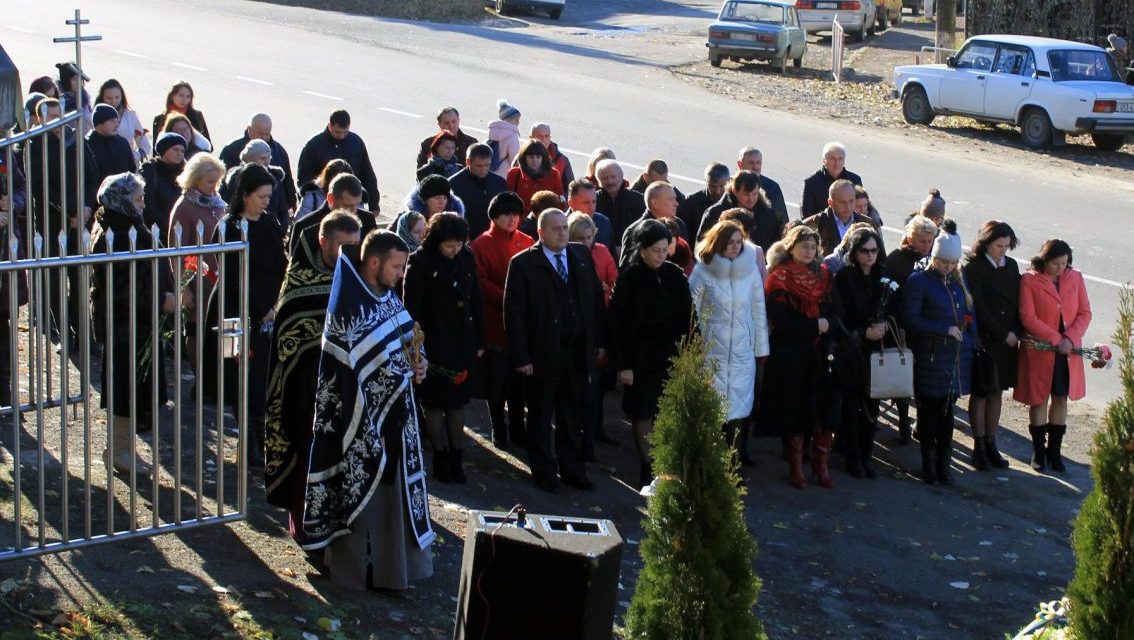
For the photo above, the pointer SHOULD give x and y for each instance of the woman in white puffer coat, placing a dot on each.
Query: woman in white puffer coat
(728, 293)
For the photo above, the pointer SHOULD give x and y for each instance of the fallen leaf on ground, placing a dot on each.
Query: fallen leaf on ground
(187, 588)
(959, 585)
(289, 572)
(145, 569)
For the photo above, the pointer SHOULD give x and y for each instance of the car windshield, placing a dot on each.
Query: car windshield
(1069, 64)
(752, 12)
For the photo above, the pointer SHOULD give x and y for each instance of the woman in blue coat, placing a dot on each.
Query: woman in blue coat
(939, 313)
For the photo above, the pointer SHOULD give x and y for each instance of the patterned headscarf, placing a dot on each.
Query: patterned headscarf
(117, 193)
(405, 223)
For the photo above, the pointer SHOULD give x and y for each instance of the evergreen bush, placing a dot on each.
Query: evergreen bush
(1102, 590)
(698, 582)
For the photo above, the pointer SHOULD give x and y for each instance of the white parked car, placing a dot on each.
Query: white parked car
(857, 17)
(554, 8)
(1044, 86)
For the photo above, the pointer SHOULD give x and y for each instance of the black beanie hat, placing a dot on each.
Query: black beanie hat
(168, 140)
(503, 203)
(103, 113)
(433, 185)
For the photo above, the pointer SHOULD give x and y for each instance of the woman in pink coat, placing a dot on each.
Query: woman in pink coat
(1054, 309)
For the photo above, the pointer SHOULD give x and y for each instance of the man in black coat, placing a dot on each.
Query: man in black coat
(337, 141)
(448, 119)
(344, 192)
(112, 154)
(260, 127)
(476, 186)
(743, 192)
(617, 200)
(693, 209)
(661, 203)
(816, 186)
(552, 306)
(751, 159)
(833, 222)
(59, 148)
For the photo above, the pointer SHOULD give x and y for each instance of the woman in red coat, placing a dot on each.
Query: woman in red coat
(533, 172)
(1054, 309)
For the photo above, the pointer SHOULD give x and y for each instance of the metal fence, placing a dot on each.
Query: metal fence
(57, 491)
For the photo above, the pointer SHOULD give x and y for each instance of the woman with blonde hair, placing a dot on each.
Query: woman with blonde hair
(938, 311)
(798, 297)
(728, 294)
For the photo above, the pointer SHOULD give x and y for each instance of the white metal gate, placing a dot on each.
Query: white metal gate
(56, 493)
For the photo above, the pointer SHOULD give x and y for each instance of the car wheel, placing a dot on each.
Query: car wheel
(1035, 129)
(884, 19)
(555, 13)
(780, 64)
(858, 36)
(714, 60)
(1108, 141)
(798, 62)
(898, 18)
(915, 10)
(500, 7)
(915, 106)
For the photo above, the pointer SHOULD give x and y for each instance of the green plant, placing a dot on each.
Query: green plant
(697, 582)
(1102, 591)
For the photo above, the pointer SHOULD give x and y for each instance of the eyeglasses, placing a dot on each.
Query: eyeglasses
(868, 251)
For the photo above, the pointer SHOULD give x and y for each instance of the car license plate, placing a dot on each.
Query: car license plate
(747, 37)
(826, 5)
(1125, 107)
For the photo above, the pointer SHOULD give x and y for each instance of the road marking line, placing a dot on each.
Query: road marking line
(129, 53)
(191, 67)
(254, 80)
(322, 95)
(400, 113)
(21, 29)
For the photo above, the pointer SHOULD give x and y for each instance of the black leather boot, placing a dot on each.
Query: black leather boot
(441, 470)
(1039, 445)
(928, 465)
(1055, 447)
(457, 466)
(993, 454)
(979, 458)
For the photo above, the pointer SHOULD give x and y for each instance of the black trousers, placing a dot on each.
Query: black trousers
(860, 413)
(53, 278)
(503, 386)
(6, 323)
(935, 424)
(557, 392)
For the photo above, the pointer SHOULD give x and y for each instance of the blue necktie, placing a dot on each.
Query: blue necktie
(561, 266)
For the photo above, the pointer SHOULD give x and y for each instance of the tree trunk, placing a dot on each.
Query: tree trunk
(946, 27)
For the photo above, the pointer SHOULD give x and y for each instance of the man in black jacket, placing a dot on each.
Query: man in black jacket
(476, 186)
(620, 203)
(816, 186)
(448, 119)
(344, 192)
(59, 148)
(337, 141)
(112, 154)
(751, 159)
(260, 127)
(661, 203)
(693, 209)
(552, 306)
(744, 192)
(833, 222)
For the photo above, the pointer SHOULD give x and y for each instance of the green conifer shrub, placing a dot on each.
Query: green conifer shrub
(1102, 590)
(698, 582)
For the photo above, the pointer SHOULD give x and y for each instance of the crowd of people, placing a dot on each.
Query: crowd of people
(540, 291)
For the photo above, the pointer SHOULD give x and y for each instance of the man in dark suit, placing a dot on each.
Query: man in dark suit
(260, 128)
(552, 303)
(693, 209)
(816, 186)
(833, 222)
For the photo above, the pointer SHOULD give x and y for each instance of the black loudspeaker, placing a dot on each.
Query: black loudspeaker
(546, 578)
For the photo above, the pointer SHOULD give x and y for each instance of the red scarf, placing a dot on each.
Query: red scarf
(803, 288)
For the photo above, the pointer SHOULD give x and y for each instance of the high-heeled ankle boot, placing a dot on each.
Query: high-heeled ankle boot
(979, 459)
(118, 456)
(1055, 447)
(1039, 445)
(993, 453)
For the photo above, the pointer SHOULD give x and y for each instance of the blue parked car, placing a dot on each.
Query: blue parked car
(757, 30)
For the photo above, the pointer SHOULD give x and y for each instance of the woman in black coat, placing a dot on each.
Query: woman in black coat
(160, 174)
(122, 197)
(267, 265)
(441, 291)
(863, 291)
(994, 282)
(651, 310)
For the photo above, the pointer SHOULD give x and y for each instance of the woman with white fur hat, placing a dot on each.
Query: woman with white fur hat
(938, 312)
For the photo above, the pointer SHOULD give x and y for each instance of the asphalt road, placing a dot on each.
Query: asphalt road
(867, 560)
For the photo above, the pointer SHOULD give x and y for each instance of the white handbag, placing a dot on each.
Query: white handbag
(891, 370)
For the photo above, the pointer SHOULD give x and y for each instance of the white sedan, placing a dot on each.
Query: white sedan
(1044, 86)
(857, 17)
